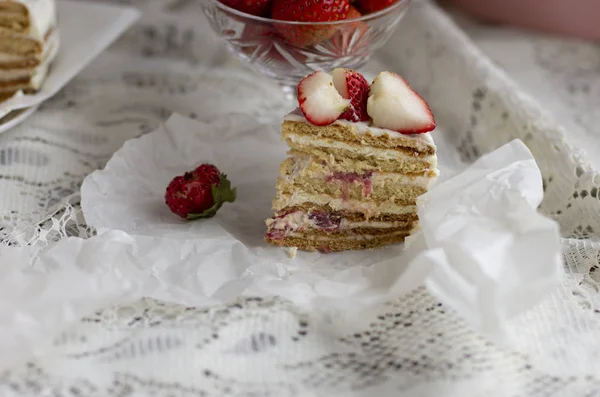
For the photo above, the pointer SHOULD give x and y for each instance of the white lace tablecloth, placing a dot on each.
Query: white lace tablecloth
(170, 61)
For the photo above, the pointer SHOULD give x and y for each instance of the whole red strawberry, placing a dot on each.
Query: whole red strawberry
(199, 193)
(353, 13)
(371, 6)
(260, 8)
(309, 11)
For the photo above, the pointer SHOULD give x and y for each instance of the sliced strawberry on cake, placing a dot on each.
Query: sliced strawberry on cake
(319, 101)
(394, 105)
(354, 86)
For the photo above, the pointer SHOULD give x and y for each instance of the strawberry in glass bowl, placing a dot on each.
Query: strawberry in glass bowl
(288, 39)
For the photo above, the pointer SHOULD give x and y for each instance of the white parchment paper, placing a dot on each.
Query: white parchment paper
(480, 230)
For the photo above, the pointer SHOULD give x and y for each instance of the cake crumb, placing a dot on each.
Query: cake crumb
(292, 252)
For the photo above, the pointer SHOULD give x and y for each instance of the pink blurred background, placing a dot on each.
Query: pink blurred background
(578, 18)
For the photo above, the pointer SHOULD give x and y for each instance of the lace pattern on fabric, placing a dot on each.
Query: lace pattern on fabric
(253, 347)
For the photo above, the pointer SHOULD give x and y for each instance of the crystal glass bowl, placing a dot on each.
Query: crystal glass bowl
(272, 46)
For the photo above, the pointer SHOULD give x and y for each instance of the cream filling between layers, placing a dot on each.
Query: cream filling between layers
(368, 208)
(16, 74)
(423, 140)
(299, 220)
(366, 151)
(5, 57)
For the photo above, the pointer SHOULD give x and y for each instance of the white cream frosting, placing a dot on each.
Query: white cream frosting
(16, 74)
(423, 140)
(337, 204)
(367, 151)
(5, 57)
(52, 47)
(39, 76)
(299, 220)
(43, 16)
(346, 224)
(294, 221)
(383, 178)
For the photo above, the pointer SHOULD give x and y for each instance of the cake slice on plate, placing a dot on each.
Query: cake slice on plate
(29, 42)
(360, 156)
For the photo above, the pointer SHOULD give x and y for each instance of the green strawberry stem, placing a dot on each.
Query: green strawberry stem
(223, 193)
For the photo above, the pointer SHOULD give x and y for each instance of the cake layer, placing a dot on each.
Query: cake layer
(29, 79)
(13, 7)
(309, 174)
(19, 45)
(405, 195)
(30, 18)
(359, 133)
(302, 163)
(337, 162)
(310, 242)
(278, 234)
(25, 84)
(322, 226)
(13, 21)
(366, 157)
(12, 61)
(28, 35)
(349, 215)
(369, 208)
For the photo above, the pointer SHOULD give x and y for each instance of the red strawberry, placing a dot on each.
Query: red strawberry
(352, 85)
(309, 11)
(199, 193)
(371, 6)
(394, 105)
(319, 101)
(353, 13)
(260, 8)
(362, 27)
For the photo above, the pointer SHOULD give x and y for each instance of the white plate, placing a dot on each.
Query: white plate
(15, 118)
(86, 30)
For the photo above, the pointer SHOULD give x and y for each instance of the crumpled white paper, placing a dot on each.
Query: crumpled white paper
(86, 29)
(492, 255)
(40, 297)
(483, 248)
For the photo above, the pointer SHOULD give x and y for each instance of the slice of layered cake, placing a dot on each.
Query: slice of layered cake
(29, 42)
(359, 157)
